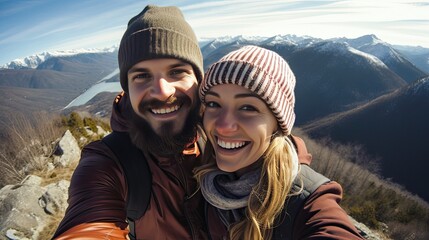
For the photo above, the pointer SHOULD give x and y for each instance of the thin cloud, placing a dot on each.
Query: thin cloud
(109, 36)
(86, 23)
(16, 7)
(319, 19)
(36, 31)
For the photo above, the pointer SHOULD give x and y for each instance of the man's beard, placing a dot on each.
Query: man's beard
(164, 144)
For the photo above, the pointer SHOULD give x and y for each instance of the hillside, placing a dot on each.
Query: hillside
(15, 101)
(53, 84)
(394, 128)
(396, 61)
(332, 77)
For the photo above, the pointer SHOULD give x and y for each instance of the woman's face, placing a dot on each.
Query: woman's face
(238, 124)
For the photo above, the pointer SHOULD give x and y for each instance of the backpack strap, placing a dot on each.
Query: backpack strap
(308, 180)
(137, 173)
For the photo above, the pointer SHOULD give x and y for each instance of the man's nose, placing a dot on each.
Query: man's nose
(162, 89)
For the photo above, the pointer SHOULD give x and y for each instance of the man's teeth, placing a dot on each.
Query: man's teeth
(230, 145)
(165, 110)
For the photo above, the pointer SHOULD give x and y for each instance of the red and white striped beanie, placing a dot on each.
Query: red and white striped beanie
(263, 72)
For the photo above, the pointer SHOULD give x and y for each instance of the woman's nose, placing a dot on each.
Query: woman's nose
(226, 122)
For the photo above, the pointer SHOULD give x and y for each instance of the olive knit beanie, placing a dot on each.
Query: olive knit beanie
(263, 72)
(158, 32)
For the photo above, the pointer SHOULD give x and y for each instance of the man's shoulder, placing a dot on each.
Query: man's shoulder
(98, 154)
(96, 147)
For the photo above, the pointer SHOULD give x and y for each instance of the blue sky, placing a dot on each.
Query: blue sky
(29, 27)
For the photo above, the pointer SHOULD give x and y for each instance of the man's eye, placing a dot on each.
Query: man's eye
(177, 72)
(142, 76)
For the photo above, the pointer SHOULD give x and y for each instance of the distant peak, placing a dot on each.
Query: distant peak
(35, 60)
(369, 37)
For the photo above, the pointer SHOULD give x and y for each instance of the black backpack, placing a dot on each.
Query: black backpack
(308, 180)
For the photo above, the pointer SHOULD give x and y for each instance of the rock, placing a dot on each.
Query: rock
(101, 131)
(22, 216)
(32, 180)
(19, 209)
(55, 198)
(12, 234)
(366, 232)
(69, 150)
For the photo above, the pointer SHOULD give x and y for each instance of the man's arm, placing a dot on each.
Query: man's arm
(94, 231)
(97, 195)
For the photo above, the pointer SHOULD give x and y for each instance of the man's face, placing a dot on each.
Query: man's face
(163, 92)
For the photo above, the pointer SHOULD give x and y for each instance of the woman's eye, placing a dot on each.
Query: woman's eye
(248, 108)
(212, 104)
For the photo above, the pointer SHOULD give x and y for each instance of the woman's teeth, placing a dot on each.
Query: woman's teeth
(230, 145)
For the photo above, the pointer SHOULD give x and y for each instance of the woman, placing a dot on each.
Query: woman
(252, 159)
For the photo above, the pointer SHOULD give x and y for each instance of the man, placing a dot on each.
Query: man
(160, 67)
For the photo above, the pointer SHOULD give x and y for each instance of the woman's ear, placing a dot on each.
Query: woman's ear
(276, 133)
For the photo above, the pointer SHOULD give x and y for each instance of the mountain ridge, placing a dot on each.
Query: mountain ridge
(35, 60)
(332, 77)
(392, 127)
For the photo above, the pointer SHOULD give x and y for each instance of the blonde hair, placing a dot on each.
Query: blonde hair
(268, 196)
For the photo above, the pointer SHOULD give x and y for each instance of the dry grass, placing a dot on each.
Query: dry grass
(27, 144)
(369, 198)
(49, 177)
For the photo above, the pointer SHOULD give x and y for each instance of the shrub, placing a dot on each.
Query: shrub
(365, 213)
(368, 197)
(91, 123)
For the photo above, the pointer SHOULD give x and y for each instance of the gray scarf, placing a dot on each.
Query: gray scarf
(229, 193)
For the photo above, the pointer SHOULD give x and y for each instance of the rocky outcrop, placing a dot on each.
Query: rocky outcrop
(25, 207)
(368, 233)
(67, 150)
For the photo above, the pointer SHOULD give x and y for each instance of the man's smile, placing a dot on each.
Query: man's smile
(165, 110)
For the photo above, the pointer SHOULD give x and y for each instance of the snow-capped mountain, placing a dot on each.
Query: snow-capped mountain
(419, 56)
(385, 52)
(332, 76)
(34, 61)
(212, 44)
(290, 39)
